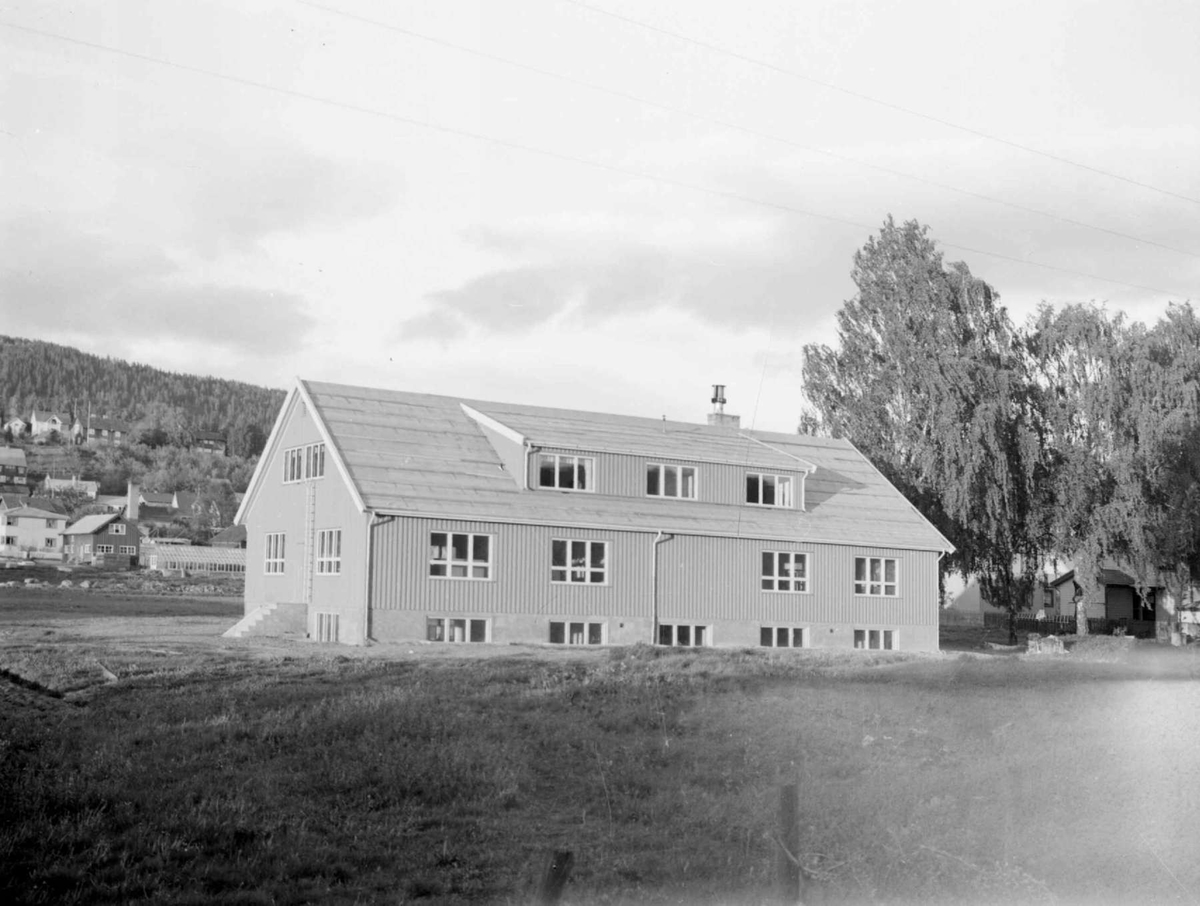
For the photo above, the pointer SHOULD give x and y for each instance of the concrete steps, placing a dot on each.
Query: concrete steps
(271, 620)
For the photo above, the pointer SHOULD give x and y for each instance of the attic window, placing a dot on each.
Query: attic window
(565, 473)
(769, 490)
(670, 481)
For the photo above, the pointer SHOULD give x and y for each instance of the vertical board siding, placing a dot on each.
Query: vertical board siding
(699, 578)
(720, 578)
(624, 475)
(520, 582)
(280, 507)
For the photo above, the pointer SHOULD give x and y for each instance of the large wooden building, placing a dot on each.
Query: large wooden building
(388, 516)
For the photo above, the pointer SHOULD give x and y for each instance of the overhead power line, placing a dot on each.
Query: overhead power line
(899, 108)
(725, 124)
(545, 152)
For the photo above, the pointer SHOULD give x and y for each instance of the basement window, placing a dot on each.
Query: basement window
(784, 571)
(565, 473)
(683, 635)
(670, 481)
(877, 639)
(456, 629)
(783, 637)
(563, 632)
(327, 627)
(460, 555)
(768, 490)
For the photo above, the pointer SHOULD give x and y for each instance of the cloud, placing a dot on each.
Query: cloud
(57, 278)
(215, 197)
(736, 272)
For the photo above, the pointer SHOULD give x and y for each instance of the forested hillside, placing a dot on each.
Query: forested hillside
(35, 374)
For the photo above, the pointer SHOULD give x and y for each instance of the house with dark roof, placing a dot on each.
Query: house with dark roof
(13, 466)
(391, 516)
(99, 431)
(107, 538)
(209, 442)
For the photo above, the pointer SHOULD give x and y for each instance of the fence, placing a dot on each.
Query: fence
(1142, 629)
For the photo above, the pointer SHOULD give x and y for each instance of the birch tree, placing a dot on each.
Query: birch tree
(933, 384)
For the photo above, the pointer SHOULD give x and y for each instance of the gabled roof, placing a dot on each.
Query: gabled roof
(44, 415)
(89, 525)
(98, 423)
(12, 456)
(34, 513)
(420, 454)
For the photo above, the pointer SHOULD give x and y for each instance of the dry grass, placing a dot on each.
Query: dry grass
(221, 773)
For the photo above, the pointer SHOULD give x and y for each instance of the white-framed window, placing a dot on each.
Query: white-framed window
(784, 571)
(50, 544)
(10, 539)
(274, 549)
(87, 548)
(876, 576)
(670, 481)
(578, 562)
(769, 490)
(127, 549)
(50, 523)
(457, 629)
(576, 632)
(117, 528)
(566, 473)
(104, 548)
(684, 635)
(460, 555)
(329, 552)
(783, 637)
(880, 639)
(304, 462)
(327, 627)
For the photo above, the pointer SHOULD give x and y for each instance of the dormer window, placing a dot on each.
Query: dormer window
(769, 490)
(670, 481)
(566, 473)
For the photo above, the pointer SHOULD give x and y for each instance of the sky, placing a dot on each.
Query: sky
(606, 205)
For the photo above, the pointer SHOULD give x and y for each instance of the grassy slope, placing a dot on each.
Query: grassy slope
(208, 777)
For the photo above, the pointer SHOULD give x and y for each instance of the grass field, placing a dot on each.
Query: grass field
(219, 771)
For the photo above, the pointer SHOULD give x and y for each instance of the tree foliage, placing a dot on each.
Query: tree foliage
(35, 374)
(1077, 437)
(931, 382)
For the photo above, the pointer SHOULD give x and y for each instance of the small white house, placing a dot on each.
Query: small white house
(31, 532)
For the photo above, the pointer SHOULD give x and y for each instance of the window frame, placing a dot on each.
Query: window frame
(778, 481)
(789, 633)
(329, 552)
(588, 630)
(866, 586)
(588, 570)
(274, 553)
(304, 462)
(116, 528)
(776, 578)
(470, 564)
(885, 639)
(105, 549)
(589, 472)
(701, 631)
(678, 469)
(446, 624)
